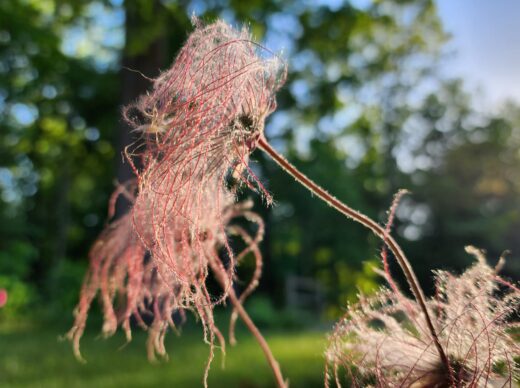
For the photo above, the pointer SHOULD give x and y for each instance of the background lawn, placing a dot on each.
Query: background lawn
(36, 358)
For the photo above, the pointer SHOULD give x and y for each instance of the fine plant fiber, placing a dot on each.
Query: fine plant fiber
(382, 341)
(198, 125)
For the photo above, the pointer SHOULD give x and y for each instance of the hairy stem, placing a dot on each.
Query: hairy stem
(370, 224)
(275, 366)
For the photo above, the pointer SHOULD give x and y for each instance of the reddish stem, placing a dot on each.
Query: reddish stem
(370, 224)
(275, 366)
(220, 273)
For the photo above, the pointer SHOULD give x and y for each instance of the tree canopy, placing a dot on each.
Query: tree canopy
(364, 113)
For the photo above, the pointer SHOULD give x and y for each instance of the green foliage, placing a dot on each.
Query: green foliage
(267, 316)
(16, 262)
(469, 192)
(20, 296)
(67, 280)
(57, 113)
(354, 116)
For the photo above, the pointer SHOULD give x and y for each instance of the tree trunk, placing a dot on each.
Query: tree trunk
(137, 68)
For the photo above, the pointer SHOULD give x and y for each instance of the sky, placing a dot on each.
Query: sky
(484, 50)
(485, 46)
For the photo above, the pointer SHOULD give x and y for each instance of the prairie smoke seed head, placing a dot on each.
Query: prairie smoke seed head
(384, 339)
(199, 123)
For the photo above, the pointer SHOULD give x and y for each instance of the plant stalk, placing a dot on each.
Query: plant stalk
(367, 222)
(275, 366)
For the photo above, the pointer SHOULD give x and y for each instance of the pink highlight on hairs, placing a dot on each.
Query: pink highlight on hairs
(380, 337)
(199, 124)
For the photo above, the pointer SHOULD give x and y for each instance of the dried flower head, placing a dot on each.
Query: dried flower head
(199, 124)
(383, 341)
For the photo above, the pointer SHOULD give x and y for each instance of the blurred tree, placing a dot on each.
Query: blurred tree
(355, 72)
(363, 113)
(149, 28)
(56, 110)
(466, 181)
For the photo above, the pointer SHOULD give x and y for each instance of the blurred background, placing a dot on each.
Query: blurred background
(381, 95)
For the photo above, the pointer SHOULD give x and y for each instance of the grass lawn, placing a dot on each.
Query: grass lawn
(35, 358)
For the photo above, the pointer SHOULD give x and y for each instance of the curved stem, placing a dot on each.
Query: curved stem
(275, 366)
(370, 224)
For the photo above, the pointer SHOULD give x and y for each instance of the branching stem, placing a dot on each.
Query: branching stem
(370, 224)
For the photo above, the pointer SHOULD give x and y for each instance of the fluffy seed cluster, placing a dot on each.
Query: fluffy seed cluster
(199, 124)
(383, 341)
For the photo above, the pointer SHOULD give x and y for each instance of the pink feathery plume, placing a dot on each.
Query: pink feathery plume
(379, 341)
(199, 123)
